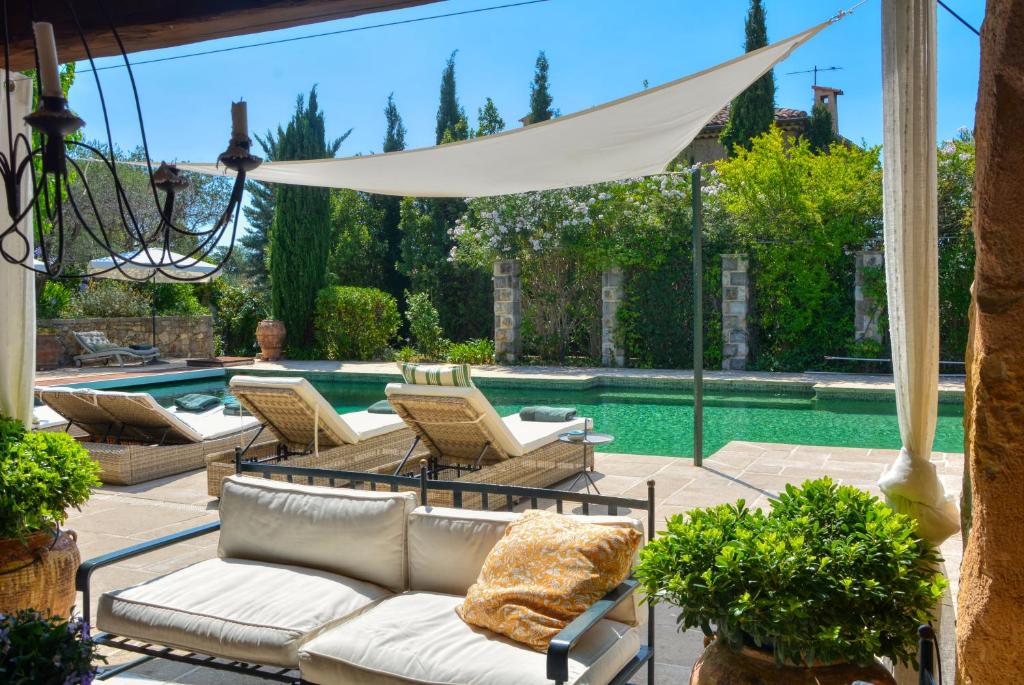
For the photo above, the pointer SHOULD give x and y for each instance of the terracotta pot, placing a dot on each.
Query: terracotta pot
(39, 573)
(48, 351)
(720, 665)
(270, 333)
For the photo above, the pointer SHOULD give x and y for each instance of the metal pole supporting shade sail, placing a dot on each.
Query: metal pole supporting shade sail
(153, 266)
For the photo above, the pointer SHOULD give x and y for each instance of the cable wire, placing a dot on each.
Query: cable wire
(293, 39)
(958, 17)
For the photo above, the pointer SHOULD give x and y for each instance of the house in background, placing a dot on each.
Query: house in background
(706, 148)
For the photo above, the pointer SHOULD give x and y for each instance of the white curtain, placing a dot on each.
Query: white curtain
(910, 210)
(17, 286)
(634, 136)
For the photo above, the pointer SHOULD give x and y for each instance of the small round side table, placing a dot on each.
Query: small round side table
(588, 439)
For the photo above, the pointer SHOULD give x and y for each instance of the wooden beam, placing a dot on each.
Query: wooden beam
(152, 24)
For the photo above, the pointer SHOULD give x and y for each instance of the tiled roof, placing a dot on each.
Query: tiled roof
(782, 115)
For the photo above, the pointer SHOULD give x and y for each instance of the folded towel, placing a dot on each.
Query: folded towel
(195, 402)
(382, 407)
(549, 414)
(141, 347)
(233, 408)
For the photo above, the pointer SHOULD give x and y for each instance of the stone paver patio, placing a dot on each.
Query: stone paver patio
(117, 517)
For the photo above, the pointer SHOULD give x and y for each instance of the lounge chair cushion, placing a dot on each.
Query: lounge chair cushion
(144, 418)
(381, 407)
(292, 419)
(512, 436)
(355, 533)
(546, 571)
(447, 549)
(94, 341)
(416, 637)
(234, 608)
(436, 374)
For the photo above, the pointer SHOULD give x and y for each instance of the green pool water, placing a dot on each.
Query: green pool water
(660, 421)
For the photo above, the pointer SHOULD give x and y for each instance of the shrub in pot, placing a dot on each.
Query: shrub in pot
(46, 650)
(42, 475)
(819, 586)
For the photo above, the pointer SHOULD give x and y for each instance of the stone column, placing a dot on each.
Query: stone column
(612, 352)
(989, 639)
(508, 342)
(735, 302)
(866, 310)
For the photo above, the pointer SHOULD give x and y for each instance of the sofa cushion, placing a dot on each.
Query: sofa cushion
(416, 637)
(238, 609)
(447, 548)
(353, 533)
(544, 572)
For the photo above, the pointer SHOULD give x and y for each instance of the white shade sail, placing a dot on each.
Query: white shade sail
(155, 266)
(910, 189)
(634, 136)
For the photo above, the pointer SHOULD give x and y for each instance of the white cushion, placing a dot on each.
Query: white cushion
(417, 637)
(238, 609)
(513, 436)
(447, 548)
(336, 429)
(354, 533)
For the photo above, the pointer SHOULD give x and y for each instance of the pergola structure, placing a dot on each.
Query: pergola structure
(990, 645)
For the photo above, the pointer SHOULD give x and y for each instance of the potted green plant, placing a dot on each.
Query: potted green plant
(810, 592)
(42, 475)
(46, 650)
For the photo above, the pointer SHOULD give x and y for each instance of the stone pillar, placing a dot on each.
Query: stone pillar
(508, 342)
(735, 303)
(612, 352)
(865, 309)
(989, 639)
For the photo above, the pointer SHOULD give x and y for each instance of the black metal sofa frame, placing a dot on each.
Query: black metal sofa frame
(560, 647)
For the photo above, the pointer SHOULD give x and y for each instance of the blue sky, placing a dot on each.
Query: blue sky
(598, 49)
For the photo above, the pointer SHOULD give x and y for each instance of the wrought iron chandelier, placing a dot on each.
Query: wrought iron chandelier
(60, 188)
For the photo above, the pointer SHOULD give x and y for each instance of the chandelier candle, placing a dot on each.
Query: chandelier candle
(239, 121)
(46, 48)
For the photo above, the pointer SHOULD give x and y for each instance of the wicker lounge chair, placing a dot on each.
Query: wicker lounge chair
(464, 433)
(289, 408)
(134, 439)
(98, 348)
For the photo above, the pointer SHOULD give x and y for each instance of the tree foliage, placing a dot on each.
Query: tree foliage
(956, 243)
(800, 216)
(540, 97)
(255, 241)
(301, 234)
(820, 134)
(488, 121)
(753, 111)
(388, 209)
(451, 118)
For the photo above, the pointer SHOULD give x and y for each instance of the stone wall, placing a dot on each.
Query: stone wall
(735, 303)
(612, 294)
(866, 310)
(176, 336)
(508, 341)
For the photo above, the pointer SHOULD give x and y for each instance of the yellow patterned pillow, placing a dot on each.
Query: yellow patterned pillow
(545, 571)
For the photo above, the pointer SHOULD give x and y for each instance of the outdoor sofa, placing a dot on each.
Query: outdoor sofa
(134, 439)
(99, 349)
(360, 586)
(308, 431)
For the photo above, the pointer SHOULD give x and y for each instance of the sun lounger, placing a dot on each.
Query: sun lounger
(98, 348)
(462, 430)
(310, 432)
(134, 439)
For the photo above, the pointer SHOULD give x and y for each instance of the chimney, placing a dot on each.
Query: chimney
(829, 97)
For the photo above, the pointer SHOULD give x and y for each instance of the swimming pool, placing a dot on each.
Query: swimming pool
(659, 421)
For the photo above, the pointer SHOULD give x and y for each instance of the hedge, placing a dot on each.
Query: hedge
(354, 323)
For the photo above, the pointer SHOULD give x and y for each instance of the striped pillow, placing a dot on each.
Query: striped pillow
(436, 374)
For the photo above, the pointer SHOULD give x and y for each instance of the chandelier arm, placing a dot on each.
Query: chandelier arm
(239, 183)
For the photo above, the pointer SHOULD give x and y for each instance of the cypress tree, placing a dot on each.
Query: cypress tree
(451, 119)
(260, 215)
(753, 111)
(488, 119)
(301, 235)
(540, 98)
(819, 131)
(396, 282)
